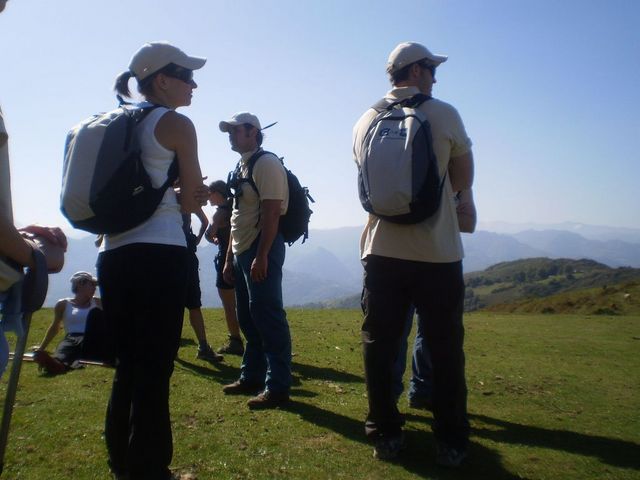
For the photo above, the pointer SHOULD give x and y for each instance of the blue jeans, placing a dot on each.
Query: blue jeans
(263, 321)
(421, 384)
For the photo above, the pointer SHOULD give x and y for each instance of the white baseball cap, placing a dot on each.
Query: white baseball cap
(410, 52)
(240, 118)
(152, 56)
(79, 276)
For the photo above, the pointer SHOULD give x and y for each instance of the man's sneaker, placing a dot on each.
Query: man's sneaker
(240, 387)
(234, 346)
(268, 399)
(421, 403)
(388, 447)
(209, 355)
(447, 456)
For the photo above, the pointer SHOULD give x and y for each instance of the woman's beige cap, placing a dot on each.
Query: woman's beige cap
(154, 55)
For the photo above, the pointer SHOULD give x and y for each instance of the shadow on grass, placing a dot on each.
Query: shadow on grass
(187, 342)
(324, 373)
(615, 452)
(218, 372)
(418, 457)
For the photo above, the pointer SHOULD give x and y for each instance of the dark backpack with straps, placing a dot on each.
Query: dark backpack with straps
(105, 187)
(293, 224)
(398, 175)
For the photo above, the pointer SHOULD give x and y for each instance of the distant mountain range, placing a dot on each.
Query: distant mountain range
(326, 268)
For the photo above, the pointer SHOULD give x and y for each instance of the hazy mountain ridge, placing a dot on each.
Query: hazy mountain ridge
(326, 269)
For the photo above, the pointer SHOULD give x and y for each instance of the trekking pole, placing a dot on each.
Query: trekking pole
(34, 291)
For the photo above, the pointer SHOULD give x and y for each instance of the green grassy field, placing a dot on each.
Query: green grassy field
(550, 397)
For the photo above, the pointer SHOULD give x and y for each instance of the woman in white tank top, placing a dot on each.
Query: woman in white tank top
(143, 271)
(71, 313)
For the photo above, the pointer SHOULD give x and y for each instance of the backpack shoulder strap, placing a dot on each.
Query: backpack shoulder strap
(415, 101)
(382, 105)
(410, 102)
(252, 163)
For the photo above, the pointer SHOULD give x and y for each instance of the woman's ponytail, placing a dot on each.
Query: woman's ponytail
(122, 84)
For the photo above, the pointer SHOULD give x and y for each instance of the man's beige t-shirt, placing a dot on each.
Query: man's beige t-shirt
(436, 239)
(271, 180)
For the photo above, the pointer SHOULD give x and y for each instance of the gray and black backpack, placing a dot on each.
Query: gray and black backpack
(398, 176)
(105, 187)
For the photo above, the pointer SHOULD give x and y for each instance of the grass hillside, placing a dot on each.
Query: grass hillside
(623, 299)
(511, 282)
(533, 281)
(550, 397)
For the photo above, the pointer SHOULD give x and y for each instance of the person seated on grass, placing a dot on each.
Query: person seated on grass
(87, 336)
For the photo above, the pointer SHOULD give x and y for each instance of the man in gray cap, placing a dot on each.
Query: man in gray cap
(417, 264)
(254, 265)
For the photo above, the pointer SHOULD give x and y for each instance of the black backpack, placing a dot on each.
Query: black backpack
(293, 224)
(105, 187)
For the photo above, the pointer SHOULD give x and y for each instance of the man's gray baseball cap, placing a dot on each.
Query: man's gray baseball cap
(410, 52)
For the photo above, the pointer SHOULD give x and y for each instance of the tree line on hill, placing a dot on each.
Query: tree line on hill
(510, 282)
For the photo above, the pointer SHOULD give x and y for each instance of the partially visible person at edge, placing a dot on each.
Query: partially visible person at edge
(254, 265)
(419, 264)
(193, 302)
(87, 335)
(17, 245)
(218, 233)
(143, 272)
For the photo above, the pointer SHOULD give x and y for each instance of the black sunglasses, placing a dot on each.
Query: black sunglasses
(180, 73)
(430, 67)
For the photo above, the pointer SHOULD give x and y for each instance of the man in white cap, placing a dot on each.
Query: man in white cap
(254, 265)
(418, 264)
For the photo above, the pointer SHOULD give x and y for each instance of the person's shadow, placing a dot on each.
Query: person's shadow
(418, 457)
(613, 451)
(483, 462)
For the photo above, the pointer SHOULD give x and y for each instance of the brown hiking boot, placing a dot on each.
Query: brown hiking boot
(240, 387)
(234, 346)
(268, 399)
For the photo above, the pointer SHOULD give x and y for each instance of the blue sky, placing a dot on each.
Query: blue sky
(548, 91)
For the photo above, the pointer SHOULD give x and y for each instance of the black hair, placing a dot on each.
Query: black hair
(400, 75)
(219, 186)
(259, 135)
(403, 74)
(122, 84)
(145, 86)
